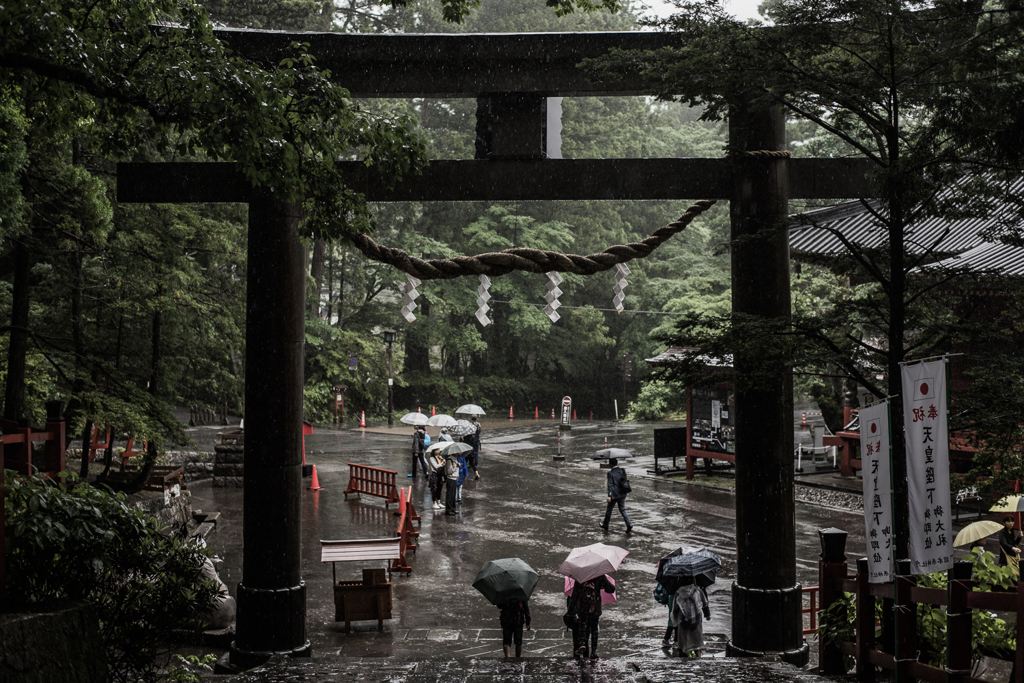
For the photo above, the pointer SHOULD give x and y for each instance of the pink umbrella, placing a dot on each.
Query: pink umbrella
(590, 561)
(605, 597)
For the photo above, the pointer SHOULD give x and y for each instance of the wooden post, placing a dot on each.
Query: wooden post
(958, 623)
(1018, 660)
(271, 595)
(830, 589)
(906, 622)
(767, 601)
(865, 623)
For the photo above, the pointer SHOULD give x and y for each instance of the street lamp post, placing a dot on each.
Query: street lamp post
(389, 339)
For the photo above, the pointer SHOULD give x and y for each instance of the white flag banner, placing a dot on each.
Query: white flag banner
(874, 456)
(926, 429)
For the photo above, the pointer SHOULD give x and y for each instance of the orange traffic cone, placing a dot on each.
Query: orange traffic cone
(803, 420)
(510, 415)
(552, 413)
(418, 409)
(315, 484)
(433, 412)
(362, 419)
(573, 414)
(536, 413)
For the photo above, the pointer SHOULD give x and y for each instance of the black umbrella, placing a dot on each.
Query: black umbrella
(684, 566)
(606, 453)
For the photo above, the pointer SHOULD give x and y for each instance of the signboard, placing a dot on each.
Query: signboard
(924, 422)
(712, 420)
(566, 411)
(875, 456)
(353, 363)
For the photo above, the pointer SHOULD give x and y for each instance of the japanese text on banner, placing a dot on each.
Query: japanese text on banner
(925, 425)
(874, 455)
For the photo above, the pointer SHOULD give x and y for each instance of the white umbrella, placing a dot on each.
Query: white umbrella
(462, 428)
(470, 409)
(441, 420)
(414, 419)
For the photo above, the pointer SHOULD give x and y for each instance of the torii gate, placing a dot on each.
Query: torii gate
(510, 75)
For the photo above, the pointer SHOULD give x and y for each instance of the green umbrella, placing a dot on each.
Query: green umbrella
(506, 579)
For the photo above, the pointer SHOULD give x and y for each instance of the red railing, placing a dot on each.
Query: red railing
(812, 610)
(17, 446)
(372, 481)
(406, 534)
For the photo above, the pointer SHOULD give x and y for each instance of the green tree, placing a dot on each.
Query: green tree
(879, 76)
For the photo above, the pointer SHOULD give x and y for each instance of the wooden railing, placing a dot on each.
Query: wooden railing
(372, 481)
(406, 534)
(18, 447)
(958, 600)
(811, 610)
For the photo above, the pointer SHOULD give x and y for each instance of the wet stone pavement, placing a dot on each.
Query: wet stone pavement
(528, 670)
(527, 504)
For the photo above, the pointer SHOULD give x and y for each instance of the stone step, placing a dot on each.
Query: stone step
(527, 670)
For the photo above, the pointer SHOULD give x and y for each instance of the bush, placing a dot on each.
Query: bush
(75, 541)
(656, 398)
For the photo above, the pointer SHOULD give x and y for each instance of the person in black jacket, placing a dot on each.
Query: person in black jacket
(616, 495)
(585, 602)
(1009, 539)
(418, 450)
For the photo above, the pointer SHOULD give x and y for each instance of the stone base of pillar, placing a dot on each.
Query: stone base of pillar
(768, 622)
(270, 622)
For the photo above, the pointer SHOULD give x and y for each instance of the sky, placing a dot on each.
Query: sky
(741, 9)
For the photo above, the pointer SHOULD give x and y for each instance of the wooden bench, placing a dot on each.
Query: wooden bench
(370, 598)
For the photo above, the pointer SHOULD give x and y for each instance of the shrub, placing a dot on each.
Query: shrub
(76, 541)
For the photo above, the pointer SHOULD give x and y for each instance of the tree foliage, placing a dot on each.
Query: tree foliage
(74, 541)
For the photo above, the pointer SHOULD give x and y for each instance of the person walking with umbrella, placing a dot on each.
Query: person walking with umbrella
(588, 566)
(508, 584)
(618, 487)
(585, 601)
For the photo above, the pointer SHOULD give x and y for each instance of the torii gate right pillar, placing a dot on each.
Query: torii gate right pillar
(766, 599)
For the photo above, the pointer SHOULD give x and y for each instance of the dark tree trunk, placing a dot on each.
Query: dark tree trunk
(316, 276)
(17, 350)
(156, 379)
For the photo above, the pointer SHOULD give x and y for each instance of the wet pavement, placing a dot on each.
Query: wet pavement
(525, 505)
(624, 670)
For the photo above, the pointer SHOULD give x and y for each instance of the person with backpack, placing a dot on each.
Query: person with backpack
(618, 487)
(419, 447)
(515, 614)
(584, 604)
(690, 606)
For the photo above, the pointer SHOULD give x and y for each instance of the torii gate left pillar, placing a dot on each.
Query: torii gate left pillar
(271, 595)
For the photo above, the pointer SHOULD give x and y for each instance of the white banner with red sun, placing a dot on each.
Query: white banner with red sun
(874, 456)
(926, 429)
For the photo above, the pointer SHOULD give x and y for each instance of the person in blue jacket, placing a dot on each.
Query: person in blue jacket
(616, 495)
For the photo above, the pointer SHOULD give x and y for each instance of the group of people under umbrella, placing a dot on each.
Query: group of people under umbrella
(447, 461)
(683, 576)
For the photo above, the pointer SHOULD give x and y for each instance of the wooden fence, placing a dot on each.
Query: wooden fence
(959, 599)
(372, 481)
(406, 534)
(18, 444)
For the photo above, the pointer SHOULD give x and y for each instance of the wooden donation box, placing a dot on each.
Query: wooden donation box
(356, 600)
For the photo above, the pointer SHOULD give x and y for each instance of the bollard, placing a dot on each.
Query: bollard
(573, 414)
